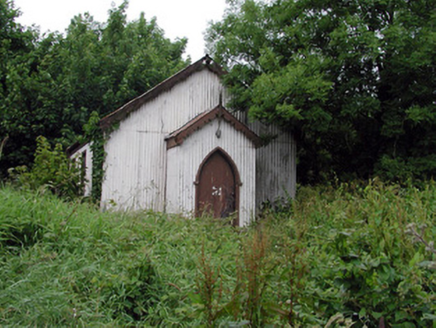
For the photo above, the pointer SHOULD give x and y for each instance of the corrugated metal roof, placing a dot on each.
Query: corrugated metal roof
(204, 63)
(71, 150)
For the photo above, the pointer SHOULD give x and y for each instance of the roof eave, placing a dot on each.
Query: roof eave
(204, 63)
(177, 137)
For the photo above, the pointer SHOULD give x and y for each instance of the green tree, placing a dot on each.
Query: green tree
(353, 79)
(16, 91)
(52, 83)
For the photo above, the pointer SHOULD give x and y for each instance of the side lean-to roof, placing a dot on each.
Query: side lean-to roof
(204, 63)
(177, 137)
(71, 150)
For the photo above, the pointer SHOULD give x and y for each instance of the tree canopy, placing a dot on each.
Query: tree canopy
(50, 83)
(354, 80)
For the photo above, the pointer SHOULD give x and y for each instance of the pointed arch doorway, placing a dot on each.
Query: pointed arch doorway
(217, 186)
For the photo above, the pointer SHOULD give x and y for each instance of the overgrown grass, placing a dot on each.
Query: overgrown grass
(355, 254)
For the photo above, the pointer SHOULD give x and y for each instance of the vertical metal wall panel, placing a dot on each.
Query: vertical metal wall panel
(141, 174)
(276, 164)
(135, 165)
(185, 160)
(86, 148)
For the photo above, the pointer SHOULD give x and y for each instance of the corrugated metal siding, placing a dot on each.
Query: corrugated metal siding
(135, 166)
(276, 165)
(88, 169)
(136, 161)
(276, 176)
(185, 160)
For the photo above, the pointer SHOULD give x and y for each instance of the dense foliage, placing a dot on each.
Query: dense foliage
(52, 170)
(351, 256)
(353, 79)
(50, 84)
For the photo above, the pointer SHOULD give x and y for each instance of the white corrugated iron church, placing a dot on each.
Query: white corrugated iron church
(178, 149)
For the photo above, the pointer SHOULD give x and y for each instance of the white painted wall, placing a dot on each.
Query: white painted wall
(185, 160)
(276, 165)
(135, 165)
(77, 156)
(136, 162)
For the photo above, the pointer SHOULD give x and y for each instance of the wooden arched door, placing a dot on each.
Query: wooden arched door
(217, 186)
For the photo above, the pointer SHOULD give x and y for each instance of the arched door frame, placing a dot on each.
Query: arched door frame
(238, 182)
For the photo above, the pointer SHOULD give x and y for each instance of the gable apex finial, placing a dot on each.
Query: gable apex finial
(207, 59)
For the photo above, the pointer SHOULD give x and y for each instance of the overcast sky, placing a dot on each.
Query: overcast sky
(178, 18)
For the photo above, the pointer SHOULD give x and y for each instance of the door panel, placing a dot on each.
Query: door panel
(216, 188)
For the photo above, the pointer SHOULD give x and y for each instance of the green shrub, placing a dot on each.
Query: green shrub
(355, 255)
(52, 170)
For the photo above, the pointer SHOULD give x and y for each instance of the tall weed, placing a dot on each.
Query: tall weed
(52, 170)
(354, 255)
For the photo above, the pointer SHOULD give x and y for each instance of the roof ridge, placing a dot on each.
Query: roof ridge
(206, 62)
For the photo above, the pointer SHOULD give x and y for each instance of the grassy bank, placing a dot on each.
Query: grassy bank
(336, 257)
